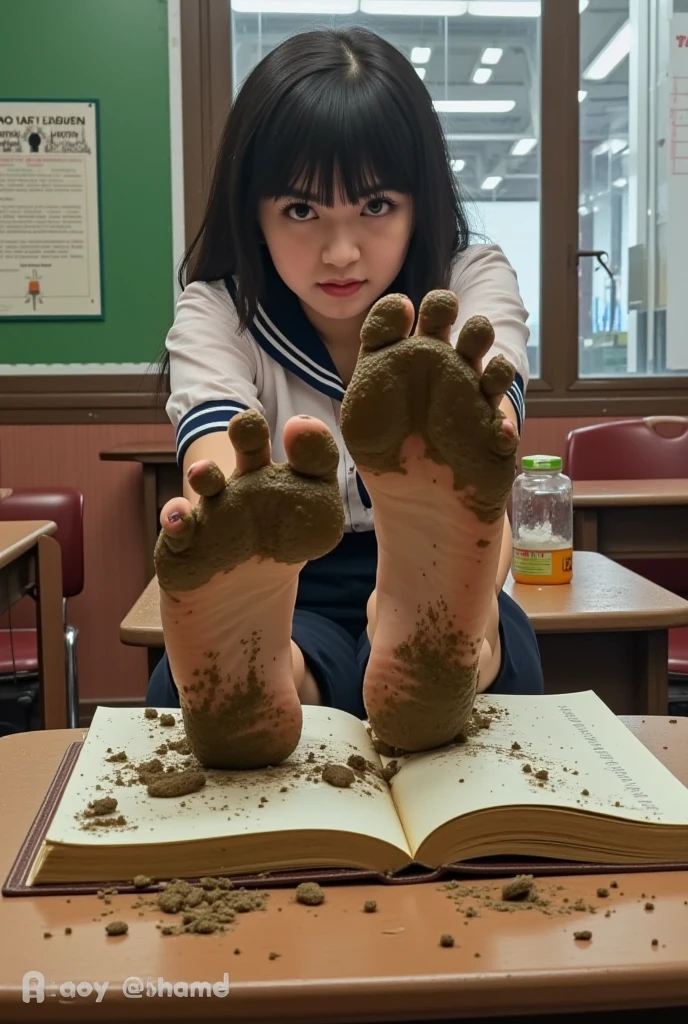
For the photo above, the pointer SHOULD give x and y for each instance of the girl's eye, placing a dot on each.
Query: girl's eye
(378, 206)
(298, 211)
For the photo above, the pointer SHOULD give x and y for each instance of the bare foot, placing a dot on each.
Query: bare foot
(438, 460)
(228, 572)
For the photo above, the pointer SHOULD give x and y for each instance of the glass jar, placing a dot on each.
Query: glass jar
(542, 522)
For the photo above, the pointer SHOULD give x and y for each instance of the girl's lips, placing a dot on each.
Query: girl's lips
(342, 290)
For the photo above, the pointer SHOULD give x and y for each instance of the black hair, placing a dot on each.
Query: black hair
(333, 105)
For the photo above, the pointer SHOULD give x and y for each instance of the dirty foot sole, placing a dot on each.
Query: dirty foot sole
(228, 579)
(438, 460)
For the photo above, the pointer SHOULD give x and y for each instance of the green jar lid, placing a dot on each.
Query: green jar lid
(542, 462)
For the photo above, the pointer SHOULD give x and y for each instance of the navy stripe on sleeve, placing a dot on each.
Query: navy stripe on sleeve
(517, 395)
(204, 419)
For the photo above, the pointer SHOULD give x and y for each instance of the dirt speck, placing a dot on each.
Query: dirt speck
(446, 940)
(151, 713)
(167, 720)
(337, 775)
(518, 888)
(370, 906)
(527, 769)
(584, 935)
(310, 893)
(117, 928)
(175, 784)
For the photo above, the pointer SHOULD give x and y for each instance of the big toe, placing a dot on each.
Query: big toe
(311, 449)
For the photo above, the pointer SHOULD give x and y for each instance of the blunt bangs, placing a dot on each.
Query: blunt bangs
(333, 132)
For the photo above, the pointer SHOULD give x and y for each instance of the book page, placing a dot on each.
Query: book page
(590, 760)
(287, 798)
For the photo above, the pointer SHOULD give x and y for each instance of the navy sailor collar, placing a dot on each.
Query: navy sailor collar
(285, 333)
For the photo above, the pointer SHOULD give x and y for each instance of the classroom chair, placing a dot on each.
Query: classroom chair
(64, 506)
(653, 448)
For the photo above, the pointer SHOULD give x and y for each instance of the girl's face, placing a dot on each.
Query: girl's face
(338, 260)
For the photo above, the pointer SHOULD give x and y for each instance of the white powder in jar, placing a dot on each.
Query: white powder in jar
(540, 538)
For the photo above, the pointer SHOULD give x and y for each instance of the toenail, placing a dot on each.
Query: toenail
(304, 417)
(174, 517)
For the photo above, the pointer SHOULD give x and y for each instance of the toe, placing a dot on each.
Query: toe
(178, 524)
(206, 478)
(438, 311)
(505, 435)
(250, 436)
(390, 320)
(497, 379)
(475, 339)
(311, 449)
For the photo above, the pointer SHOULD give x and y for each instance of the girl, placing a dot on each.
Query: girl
(332, 188)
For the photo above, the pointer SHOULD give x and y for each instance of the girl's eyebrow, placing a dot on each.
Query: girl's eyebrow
(310, 197)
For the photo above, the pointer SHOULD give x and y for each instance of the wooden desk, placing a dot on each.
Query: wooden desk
(162, 480)
(336, 963)
(30, 557)
(627, 519)
(607, 630)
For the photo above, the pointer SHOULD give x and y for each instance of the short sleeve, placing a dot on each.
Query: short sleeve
(213, 366)
(485, 284)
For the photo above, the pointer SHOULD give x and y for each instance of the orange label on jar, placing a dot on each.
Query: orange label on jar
(542, 567)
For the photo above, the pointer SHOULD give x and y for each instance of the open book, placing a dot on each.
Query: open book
(554, 776)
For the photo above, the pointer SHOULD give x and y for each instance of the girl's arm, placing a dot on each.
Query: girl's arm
(212, 377)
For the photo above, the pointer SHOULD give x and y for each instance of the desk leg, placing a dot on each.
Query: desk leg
(150, 509)
(585, 529)
(51, 641)
(651, 669)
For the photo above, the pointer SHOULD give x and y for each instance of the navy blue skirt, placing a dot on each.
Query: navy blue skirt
(329, 627)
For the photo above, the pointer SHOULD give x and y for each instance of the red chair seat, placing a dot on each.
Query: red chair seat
(678, 651)
(18, 651)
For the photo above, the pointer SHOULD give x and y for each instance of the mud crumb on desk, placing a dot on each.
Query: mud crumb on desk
(310, 894)
(518, 888)
(446, 940)
(117, 928)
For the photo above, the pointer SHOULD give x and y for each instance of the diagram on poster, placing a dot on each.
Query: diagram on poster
(50, 263)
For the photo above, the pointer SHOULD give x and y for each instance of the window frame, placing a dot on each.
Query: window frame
(206, 54)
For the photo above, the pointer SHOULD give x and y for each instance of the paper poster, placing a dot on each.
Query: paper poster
(50, 263)
(677, 227)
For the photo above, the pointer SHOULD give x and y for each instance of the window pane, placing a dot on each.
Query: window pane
(627, 103)
(489, 55)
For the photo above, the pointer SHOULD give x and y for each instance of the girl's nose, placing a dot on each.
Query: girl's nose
(341, 251)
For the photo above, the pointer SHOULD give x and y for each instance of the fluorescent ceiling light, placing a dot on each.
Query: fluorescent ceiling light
(482, 75)
(443, 8)
(504, 8)
(420, 54)
(474, 106)
(523, 147)
(491, 182)
(492, 55)
(582, 93)
(620, 183)
(613, 146)
(582, 5)
(295, 6)
(421, 73)
(613, 53)
(458, 165)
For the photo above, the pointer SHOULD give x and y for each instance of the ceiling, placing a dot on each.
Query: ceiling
(483, 141)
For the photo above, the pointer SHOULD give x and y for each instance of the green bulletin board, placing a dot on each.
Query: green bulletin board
(115, 51)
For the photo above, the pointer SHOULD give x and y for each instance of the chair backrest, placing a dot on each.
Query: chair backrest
(653, 448)
(65, 507)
